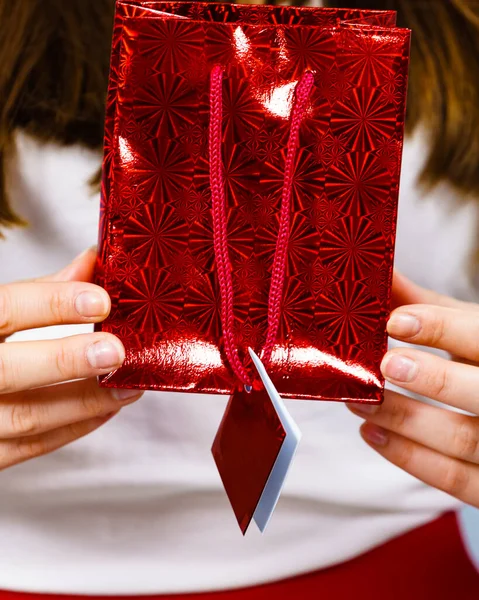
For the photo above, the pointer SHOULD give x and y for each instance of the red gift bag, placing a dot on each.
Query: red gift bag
(157, 257)
(251, 175)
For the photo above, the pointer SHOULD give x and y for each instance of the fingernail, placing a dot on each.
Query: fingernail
(399, 368)
(126, 395)
(363, 409)
(105, 355)
(403, 325)
(376, 436)
(91, 304)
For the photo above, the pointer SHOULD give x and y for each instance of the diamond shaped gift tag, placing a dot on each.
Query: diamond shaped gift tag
(253, 449)
(245, 450)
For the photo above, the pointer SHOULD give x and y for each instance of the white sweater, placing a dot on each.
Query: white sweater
(138, 507)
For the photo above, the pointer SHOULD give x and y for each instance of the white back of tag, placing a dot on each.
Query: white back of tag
(275, 483)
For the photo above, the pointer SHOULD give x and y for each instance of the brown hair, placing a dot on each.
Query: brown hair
(54, 57)
(444, 83)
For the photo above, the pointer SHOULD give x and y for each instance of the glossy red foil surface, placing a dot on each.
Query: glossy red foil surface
(245, 449)
(156, 256)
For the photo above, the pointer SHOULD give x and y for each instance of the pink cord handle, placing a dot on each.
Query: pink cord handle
(220, 235)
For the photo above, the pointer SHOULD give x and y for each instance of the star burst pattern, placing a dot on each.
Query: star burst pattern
(167, 45)
(369, 60)
(297, 308)
(152, 300)
(364, 119)
(309, 49)
(165, 105)
(162, 169)
(249, 274)
(353, 247)
(184, 270)
(193, 205)
(203, 306)
(240, 110)
(330, 150)
(308, 178)
(325, 213)
(361, 185)
(157, 256)
(241, 175)
(156, 235)
(264, 144)
(388, 152)
(348, 312)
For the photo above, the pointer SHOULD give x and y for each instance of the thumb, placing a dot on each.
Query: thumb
(80, 269)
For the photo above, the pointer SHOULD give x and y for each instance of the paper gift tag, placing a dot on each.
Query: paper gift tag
(275, 483)
(253, 449)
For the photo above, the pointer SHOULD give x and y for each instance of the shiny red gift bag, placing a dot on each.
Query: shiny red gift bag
(251, 175)
(156, 251)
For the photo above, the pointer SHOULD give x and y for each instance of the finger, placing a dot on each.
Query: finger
(26, 365)
(407, 292)
(30, 305)
(434, 377)
(453, 476)
(447, 432)
(450, 329)
(80, 269)
(37, 411)
(13, 452)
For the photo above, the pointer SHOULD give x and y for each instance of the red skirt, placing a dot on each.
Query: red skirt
(429, 563)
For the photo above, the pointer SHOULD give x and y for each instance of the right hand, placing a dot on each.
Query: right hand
(49, 395)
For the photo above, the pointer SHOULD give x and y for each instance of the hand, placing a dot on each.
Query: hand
(438, 446)
(35, 419)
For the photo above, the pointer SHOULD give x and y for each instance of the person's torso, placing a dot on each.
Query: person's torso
(138, 506)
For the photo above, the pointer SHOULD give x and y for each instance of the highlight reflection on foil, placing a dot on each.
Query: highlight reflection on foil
(243, 45)
(304, 357)
(279, 101)
(198, 357)
(201, 356)
(126, 153)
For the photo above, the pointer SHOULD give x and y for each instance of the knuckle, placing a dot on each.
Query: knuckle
(455, 479)
(438, 384)
(92, 402)
(76, 430)
(67, 361)
(31, 447)
(79, 430)
(6, 383)
(466, 441)
(6, 317)
(436, 331)
(23, 421)
(399, 414)
(405, 454)
(59, 305)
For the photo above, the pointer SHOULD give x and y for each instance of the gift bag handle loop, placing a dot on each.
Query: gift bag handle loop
(220, 235)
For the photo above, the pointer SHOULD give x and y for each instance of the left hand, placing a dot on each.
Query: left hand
(438, 446)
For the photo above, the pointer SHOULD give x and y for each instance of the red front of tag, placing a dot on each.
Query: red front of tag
(245, 449)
